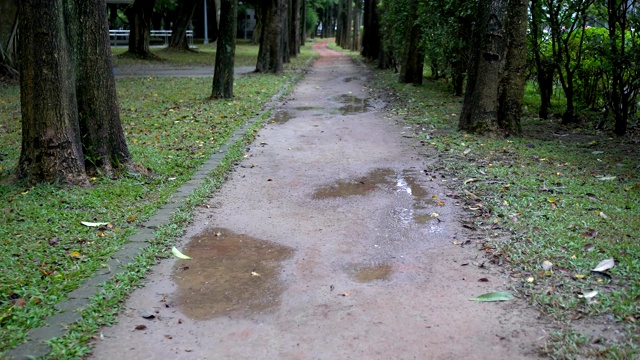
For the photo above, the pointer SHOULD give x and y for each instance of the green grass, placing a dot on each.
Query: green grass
(570, 196)
(171, 129)
(246, 55)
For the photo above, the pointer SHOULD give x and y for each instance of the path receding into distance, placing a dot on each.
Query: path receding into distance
(323, 245)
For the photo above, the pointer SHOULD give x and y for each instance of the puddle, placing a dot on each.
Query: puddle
(281, 117)
(229, 275)
(367, 274)
(306, 108)
(357, 187)
(353, 104)
(351, 78)
(389, 180)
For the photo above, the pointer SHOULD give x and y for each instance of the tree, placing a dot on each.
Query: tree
(139, 17)
(371, 39)
(8, 27)
(70, 120)
(181, 25)
(271, 55)
(492, 91)
(544, 65)
(225, 53)
(412, 65)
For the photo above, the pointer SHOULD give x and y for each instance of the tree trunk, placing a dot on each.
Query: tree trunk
(225, 53)
(286, 27)
(412, 66)
(480, 107)
(51, 146)
(357, 11)
(515, 69)
(371, 39)
(139, 17)
(294, 32)
(70, 116)
(213, 22)
(303, 23)
(270, 54)
(257, 32)
(181, 25)
(103, 141)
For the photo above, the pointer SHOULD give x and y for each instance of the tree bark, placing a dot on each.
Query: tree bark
(294, 32)
(70, 119)
(303, 23)
(270, 54)
(480, 107)
(51, 146)
(181, 25)
(371, 39)
(225, 53)
(515, 69)
(103, 141)
(357, 11)
(139, 17)
(412, 66)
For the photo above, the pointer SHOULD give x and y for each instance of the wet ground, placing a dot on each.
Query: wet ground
(329, 241)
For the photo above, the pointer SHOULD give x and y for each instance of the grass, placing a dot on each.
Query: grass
(569, 196)
(246, 55)
(171, 129)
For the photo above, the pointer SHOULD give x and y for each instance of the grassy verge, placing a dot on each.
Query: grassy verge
(565, 196)
(171, 129)
(246, 55)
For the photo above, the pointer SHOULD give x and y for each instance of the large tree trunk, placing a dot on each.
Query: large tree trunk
(51, 146)
(357, 11)
(139, 17)
(303, 22)
(271, 54)
(515, 69)
(371, 39)
(103, 141)
(181, 25)
(412, 67)
(480, 107)
(70, 116)
(225, 53)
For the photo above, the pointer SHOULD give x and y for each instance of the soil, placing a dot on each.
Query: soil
(328, 241)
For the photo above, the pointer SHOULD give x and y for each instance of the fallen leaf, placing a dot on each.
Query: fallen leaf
(590, 233)
(141, 327)
(168, 337)
(344, 294)
(602, 215)
(253, 273)
(434, 214)
(588, 295)
(76, 255)
(440, 203)
(580, 276)
(178, 254)
(493, 296)
(604, 265)
(547, 265)
(470, 180)
(93, 224)
(530, 279)
(483, 280)
(607, 178)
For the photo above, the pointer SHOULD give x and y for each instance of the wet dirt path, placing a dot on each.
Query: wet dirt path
(324, 244)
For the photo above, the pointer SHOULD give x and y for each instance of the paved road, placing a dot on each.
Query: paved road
(324, 244)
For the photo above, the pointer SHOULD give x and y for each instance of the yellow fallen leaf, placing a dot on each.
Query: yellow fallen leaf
(530, 279)
(253, 273)
(434, 214)
(580, 276)
(76, 254)
(178, 254)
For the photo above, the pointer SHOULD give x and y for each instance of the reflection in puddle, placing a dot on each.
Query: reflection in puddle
(306, 108)
(230, 274)
(386, 179)
(371, 273)
(281, 117)
(353, 104)
(362, 186)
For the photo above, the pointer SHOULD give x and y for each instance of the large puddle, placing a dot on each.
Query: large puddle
(384, 179)
(229, 275)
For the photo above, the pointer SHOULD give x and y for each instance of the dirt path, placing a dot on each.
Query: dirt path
(322, 245)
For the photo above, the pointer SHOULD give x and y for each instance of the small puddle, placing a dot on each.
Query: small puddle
(352, 104)
(306, 108)
(281, 117)
(229, 274)
(371, 273)
(357, 187)
(351, 78)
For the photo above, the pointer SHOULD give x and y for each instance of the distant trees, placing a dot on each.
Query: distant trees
(139, 17)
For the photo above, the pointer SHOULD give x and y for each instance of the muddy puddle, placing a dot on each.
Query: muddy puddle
(229, 275)
(307, 108)
(370, 273)
(281, 117)
(351, 78)
(352, 104)
(384, 179)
